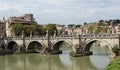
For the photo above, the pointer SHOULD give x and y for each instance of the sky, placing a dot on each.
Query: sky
(62, 11)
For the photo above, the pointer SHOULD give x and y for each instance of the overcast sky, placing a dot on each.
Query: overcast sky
(62, 11)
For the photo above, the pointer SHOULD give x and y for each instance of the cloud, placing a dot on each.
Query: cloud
(63, 11)
(51, 11)
(5, 6)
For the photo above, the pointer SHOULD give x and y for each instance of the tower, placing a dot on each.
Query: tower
(29, 17)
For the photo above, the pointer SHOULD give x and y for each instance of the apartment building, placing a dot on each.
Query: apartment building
(25, 19)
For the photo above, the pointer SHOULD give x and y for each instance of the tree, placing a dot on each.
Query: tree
(17, 28)
(85, 23)
(34, 28)
(63, 25)
(101, 22)
(90, 29)
(77, 26)
(71, 25)
(104, 29)
(27, 29)
(51, 28)
(98, 30)
(60, 32)
(38, 29)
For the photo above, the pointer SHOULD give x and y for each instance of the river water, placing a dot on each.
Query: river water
(34, 61)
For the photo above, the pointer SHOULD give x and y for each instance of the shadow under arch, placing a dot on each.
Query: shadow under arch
(34, 46)
(2, 48)
(12, 47)
(90, 43)
(57, 44)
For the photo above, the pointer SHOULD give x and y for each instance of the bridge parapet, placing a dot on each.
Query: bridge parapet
(64, 37)
(14, 38)
(100, 36)
(88, 36)
(46, 41)
(38, 38)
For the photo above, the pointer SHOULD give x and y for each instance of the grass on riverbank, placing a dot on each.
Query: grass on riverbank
(114, 64)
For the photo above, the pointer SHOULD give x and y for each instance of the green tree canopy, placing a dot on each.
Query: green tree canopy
(98, 30)
(51, 28)
(36, 29)
(90, 29)
(71, 25)
(17, 28)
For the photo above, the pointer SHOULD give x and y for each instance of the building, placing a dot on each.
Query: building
(90, 28)
(26, 19)
(2, 29)
(73, 31)
(60, 29)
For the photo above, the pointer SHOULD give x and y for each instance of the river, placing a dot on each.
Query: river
(34, 61)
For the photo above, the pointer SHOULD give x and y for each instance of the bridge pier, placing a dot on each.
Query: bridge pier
(23, 48)
(119, 41)
(56, 52)
(48, 50)
(2, 46)
(79, 50)
(119, 46)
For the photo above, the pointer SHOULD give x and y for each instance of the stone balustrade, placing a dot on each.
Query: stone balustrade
(97, 36)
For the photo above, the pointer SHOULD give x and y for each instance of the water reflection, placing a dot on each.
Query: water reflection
(82, 63)
(54, 62)
(65, 59)
(100, 62)
(2, 63)
(100, 57)
(38, 62)
(31, 62)
(79, 63)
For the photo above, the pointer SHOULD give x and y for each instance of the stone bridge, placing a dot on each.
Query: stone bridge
(78, 43)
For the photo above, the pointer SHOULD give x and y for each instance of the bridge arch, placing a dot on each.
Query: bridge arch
(12, 46)
(89, 43)
(34, 46)
(56, 45)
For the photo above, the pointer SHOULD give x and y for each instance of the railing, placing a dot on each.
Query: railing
(97, 36)
(101, 36)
